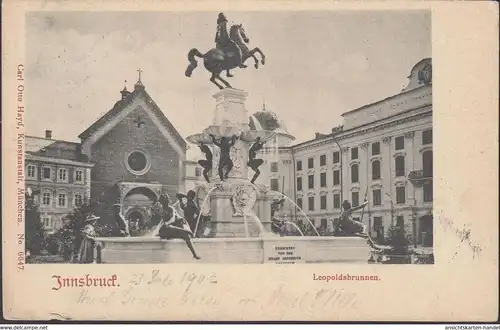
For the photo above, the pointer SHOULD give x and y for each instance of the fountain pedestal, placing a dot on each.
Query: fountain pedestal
(237, 207)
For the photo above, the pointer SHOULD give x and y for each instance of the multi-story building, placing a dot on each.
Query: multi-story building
(61, 173)
(382, 152)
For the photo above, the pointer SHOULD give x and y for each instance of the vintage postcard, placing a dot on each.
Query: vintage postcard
(324, 161)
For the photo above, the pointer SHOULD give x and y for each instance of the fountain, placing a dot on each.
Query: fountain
(240, 212)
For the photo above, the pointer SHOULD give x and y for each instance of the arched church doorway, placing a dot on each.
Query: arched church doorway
(137, 205)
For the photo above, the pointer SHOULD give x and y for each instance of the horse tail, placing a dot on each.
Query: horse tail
(193, 53)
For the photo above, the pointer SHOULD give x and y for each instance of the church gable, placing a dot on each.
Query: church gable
(130, 102)
(135, 149)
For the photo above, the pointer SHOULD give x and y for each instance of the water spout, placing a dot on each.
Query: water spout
(259, 224)
(296, 227)
(201, 208)
(246, 225)
(258, 126)
(310, 222)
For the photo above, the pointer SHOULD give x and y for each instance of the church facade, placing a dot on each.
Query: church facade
(131, 155)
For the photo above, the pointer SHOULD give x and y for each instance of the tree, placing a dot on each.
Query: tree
(34, 230)
(68, 236)
(399, 238)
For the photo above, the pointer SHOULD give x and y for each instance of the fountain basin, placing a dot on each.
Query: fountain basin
(199, 138)
(251, 250)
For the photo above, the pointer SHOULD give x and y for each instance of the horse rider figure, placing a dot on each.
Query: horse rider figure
(223, 42)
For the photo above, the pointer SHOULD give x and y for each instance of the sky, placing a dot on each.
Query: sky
(318, 65)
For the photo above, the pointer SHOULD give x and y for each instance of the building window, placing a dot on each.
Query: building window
(377, 197)
(400, 221)
(336, 177)
(399, 142)
(46, 173)
(47, 222)
(427, 137)
(336, 157)
(355, 198)
(299, 203)
(197, 171)
(376, 170)
(274, 167)
(46, 198)
(322, 180)
(311, 203)
(323, 202)
(375, 148)
(324, 224)
(377, 223)
(354, 153)
(61, 199)
(274, 185)
(427, 192)
(336, 201)
(63, 175)
(310, 163)
(322, 160)
(79, 176)
(299, 184)
(299, 165)
(378, 227)
(354, 173)
(78, 200)
(31, 172)
(137, 162)
(427, 163)
(400, 195)
(310, 181)
(400, 166)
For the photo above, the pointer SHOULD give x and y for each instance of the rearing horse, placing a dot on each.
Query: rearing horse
(217, 60)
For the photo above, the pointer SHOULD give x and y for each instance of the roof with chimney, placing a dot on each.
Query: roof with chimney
(56, 149)
(128, 98)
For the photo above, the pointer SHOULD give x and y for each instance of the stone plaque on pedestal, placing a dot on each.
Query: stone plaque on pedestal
(284, 253)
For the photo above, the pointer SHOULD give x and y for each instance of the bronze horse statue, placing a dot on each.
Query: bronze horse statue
(217, 60)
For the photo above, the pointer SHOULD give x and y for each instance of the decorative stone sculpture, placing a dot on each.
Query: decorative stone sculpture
(243, 200)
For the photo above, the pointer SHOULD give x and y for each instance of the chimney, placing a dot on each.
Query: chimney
(48, 134)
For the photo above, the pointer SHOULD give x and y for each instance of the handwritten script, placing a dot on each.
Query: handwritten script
(159, 290)
(464, 236)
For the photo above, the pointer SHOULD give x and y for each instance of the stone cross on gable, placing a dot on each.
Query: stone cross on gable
(138, 121)
(140, 71)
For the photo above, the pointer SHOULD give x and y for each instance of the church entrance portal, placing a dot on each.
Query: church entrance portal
(137, 205)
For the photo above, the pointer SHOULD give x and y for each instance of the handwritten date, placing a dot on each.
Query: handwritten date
(158, 278)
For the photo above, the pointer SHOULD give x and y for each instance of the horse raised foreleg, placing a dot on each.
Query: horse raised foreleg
(212, 79)
(257, 50)
(256, 65)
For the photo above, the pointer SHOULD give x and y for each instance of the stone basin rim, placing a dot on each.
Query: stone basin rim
(230, 239)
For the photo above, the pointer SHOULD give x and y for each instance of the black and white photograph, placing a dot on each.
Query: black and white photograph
(229, 137)
(267, 161)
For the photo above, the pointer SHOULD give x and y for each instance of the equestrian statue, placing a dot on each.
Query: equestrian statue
(230, 52)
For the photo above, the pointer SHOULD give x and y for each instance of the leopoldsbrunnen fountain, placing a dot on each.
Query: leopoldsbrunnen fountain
(240, 211)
